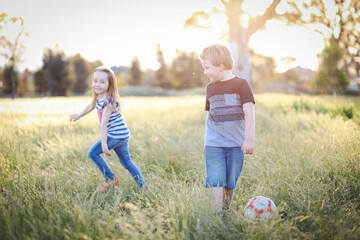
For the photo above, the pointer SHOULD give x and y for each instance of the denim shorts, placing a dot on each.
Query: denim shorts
(223, 166)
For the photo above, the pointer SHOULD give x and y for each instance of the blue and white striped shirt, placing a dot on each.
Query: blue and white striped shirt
(116, 126)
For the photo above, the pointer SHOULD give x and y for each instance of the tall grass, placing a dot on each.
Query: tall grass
(306, 161)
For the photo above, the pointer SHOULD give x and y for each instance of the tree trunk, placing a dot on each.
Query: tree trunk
(13, 86)
(241, 55)
(239, 36)
(238, 41)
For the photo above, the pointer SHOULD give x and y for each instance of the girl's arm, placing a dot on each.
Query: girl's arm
(87, 109)
(104, 122)
(248, 146)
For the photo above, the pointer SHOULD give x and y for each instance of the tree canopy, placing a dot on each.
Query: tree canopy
(11, 48)
(338, 20)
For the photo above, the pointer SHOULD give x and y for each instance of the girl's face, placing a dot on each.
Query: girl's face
(213, 72)
(100, 83)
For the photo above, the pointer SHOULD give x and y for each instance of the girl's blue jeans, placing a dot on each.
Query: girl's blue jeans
(122, 151)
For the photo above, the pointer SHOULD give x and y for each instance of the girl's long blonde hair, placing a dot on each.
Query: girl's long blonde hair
(112, 90)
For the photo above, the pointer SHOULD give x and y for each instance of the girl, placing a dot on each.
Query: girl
(114, 133)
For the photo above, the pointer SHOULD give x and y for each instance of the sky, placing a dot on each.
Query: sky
(116, 31)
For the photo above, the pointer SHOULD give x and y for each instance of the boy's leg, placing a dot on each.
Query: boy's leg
(217, 193)
(234, 165)
(215, 173)
(94, 154)
(227, 197)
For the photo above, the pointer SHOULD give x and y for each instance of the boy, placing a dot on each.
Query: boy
(230, 106)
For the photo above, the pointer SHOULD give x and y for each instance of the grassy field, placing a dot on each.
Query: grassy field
(307, 160)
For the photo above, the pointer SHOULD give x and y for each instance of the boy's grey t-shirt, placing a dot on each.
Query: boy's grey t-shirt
(225, 125)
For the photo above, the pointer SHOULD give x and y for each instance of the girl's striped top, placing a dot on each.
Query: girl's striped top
(116, 126)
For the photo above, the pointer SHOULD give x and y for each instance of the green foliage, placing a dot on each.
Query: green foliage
(263, 69)
(306, 162)
(342, 26)
(25, 85)
(330, 78)
(8, 76)
(347, 110)
(81, 74)
(11, 48)
(71, 73)
(161, 74)
(187, 71)
(41, 84)
(56, 71)
(135, 72)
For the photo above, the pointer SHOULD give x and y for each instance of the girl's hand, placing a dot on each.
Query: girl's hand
(106, 150)
(74, 117)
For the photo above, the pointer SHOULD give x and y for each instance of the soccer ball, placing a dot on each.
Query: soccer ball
(260, 208)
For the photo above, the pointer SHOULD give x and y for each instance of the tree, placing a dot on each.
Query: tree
(12, 49)
(187, 71)
(290, 76)
(161, 72)
(41, 84)
(81, 74)
(10, 80)
(25, 84)
(135, 72)
(330, 77)
(339, 22)
(1, 80)
(238, 34)
(55, 71)
(263, 69)
(94, 64)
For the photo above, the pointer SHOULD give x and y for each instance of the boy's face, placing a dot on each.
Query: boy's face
(213, 72)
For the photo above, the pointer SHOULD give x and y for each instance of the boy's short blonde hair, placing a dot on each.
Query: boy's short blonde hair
(218, 54)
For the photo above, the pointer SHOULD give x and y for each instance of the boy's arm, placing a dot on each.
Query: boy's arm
(248, 146)
(104, 122)
(87, 109)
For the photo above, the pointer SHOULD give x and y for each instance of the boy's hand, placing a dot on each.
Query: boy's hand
(248, 147)
(74, 117)
(106, 150)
